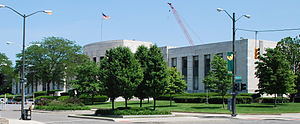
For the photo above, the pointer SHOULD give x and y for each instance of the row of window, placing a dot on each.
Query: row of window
(184, 67)
(95, 58)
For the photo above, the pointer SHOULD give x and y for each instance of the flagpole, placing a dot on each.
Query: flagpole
(101, 27)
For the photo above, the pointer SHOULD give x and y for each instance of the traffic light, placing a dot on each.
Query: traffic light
(256, 53)
(237, 86)
(243, 86)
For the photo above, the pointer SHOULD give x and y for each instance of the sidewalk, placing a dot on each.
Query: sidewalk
(193, 117)
(16, 121)
(285, 116)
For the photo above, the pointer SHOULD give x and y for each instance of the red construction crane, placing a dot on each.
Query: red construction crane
(186, 33)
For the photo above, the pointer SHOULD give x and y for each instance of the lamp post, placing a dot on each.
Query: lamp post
(49, 12)
(234, 20)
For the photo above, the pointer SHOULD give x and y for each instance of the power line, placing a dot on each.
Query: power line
(275, 30)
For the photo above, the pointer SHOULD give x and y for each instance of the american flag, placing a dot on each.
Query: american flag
(105, 16)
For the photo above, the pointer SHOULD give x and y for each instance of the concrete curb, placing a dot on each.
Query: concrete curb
(90, 117)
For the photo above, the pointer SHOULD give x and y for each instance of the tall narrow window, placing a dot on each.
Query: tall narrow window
(174, 62)
(184, 68)
(94, 59)
(206, 64)
(101, 57)
(195, 72)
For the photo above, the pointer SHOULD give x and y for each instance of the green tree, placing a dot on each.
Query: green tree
(87, 79)
(121, 73)
(218, 79)
(156, 73)
(55, 59)
(275, 76)
(7, 73)
(142, 56)
(176, 84)
(290, 48)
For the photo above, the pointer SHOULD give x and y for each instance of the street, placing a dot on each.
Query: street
(12, 113)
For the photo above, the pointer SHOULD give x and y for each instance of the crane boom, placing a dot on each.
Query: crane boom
(187, 35)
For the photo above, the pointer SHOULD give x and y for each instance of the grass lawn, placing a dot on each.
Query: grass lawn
(254, 108)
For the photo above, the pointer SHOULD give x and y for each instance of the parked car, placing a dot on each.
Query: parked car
(11, 101)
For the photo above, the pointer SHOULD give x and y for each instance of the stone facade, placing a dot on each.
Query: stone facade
(97, 50)
(245, 66)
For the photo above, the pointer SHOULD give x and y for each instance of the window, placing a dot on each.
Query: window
(94, 59)
(174, 62)
(101, 57)
(184, 68)
(195, 72)
(206, 64)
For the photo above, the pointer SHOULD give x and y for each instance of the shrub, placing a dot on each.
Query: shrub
(167, 96)
(189, 99)
(62, 107)
(64, 94)
(63, 98)
(272, 100)
(17, 98)
(8, 96)
(88, 99)
(47, 97)
(239, 99)
(40, 93)
(71, 92)
(42, 101)
(53, 91)
(131, 111)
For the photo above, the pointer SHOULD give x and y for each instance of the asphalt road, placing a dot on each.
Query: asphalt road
(61, 117)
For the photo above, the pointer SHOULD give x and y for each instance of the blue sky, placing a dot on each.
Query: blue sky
(145, 20)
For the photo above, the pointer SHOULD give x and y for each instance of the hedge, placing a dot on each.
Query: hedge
(131, 111)
(272, 100)
(40, 93)
(88, 99)
(167, 96)
(8, 96)
(190, 99)
(53, 91)
(213, 99)
(61, 107)
(64, 94)
(47, 97)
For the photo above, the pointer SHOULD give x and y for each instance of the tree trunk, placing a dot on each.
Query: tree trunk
(93, 98)
(154, 105)
(141, 102)
(48, 86)
(275, 101)
(223, 102)
(292, 98)
(112, 103)
(148, 100)
(170, 99)
(126, 102)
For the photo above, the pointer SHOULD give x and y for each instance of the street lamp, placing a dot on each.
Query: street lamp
(49, 12)
(9, 42)
(233, 52)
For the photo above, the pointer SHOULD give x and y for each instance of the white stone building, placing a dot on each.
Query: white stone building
(194, 61)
